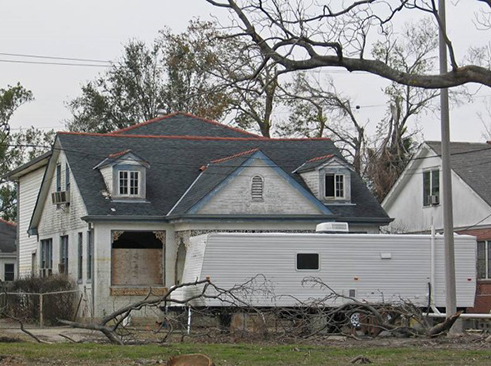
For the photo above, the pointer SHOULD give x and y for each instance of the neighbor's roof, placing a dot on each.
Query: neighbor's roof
(471, 161)
(175, 164)
(184, 124)
(8, 235)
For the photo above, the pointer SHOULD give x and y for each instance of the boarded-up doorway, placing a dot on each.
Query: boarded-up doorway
(137, 258)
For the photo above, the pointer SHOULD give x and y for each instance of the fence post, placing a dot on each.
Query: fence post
(41, 320)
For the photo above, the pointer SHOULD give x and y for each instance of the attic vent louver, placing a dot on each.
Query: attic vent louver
(257, 187)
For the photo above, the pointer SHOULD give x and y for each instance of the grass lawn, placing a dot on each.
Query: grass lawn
(238, 354)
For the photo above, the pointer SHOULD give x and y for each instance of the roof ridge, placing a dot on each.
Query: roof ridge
(160, 118)
(221, 160)
(187, 137)
(119, 153)
(8, 222)
(320, 158)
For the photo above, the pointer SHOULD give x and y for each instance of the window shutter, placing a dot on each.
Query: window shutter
(257, 188)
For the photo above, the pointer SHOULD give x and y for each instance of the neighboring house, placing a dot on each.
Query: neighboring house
(414, 201)
(116, 211)
(8, 251)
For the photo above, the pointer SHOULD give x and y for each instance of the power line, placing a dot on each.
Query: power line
(53, 57)
(50, 63)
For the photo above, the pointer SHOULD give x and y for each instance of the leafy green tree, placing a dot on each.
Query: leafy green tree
(18, 149)
(167, 76)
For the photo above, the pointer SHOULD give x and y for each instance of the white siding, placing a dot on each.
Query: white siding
(312, 180)
(347, 262)
(107, 174)
(279, 195)
(29, 185)
(411, 216)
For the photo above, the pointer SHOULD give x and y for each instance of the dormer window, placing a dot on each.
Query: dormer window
(334, 186)
(328, 178)
(124, 175)
(129, 183)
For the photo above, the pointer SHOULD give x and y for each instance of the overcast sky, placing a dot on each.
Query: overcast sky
(98, 30)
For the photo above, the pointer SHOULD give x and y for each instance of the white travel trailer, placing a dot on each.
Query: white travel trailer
(369, 267)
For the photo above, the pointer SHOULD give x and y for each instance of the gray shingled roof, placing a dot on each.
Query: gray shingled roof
(175, 164)
(184, 124)
(8, 236)
(471, 161)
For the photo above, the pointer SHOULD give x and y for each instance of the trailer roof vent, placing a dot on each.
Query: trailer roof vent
(332, 227)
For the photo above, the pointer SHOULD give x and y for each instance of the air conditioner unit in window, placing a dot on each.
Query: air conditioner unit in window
(434, 200)
(60, 197)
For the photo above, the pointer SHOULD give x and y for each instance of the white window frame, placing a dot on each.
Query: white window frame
(487, 260)
(431, 171)
(128, 183)
(343, 188)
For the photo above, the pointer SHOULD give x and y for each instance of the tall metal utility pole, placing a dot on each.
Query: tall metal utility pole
(450, 290)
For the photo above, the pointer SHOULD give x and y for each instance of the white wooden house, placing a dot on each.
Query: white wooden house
(116, 211)
(414, 201)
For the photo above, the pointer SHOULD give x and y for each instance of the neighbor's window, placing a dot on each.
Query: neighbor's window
(334, 186)
(63, 266)
(46, 258)
(483, 260)
(307, 261)
(431, 187)
(257, 187)
(80, 256)
(9, 271)
(129, 183)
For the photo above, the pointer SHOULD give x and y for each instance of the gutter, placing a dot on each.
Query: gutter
(123, 218)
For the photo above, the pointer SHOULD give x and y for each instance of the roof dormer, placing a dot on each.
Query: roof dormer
(328, 177)
(125, 175)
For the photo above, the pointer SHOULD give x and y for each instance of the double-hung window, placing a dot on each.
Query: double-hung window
(431, 187)
(80, 257)
(334, 186)
(63, 254)
(9, 272)
(129, 183)
(46, 258)
(484, 260)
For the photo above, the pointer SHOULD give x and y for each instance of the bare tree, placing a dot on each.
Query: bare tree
(317, 109)
(307, 35)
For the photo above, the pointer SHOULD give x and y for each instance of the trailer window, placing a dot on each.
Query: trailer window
(307, 261)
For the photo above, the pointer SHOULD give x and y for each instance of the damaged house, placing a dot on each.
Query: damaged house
(116, 211)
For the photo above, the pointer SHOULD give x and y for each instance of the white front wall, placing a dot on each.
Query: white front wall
(27, 195)
(279, 195)
(347, 262)
(104, 302)
(406, 207)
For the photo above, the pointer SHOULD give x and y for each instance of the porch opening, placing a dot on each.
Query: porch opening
(136, 258)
